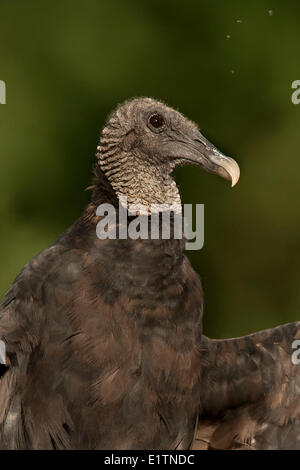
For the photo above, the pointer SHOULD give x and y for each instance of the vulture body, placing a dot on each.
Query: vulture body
(103, 337)
(99, 357)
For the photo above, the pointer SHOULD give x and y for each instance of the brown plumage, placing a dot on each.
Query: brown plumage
(104, 344)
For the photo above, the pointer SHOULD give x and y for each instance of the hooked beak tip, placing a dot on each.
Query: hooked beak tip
(235, 176)
(227, 168)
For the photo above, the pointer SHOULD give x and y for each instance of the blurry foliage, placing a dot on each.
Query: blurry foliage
(68, 63)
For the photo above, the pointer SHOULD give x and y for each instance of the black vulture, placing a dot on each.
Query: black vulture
(103, 337)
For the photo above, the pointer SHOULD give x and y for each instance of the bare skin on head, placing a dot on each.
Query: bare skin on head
(144, 141)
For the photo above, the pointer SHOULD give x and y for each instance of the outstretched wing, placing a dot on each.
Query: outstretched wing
(23, 315)
(8, 382)
(250, 394)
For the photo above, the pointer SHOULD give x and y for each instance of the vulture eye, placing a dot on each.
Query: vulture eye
(156, 121)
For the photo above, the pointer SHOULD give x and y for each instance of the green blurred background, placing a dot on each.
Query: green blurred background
(67, 64)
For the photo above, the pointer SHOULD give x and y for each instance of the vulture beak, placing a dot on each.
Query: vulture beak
(204, 154)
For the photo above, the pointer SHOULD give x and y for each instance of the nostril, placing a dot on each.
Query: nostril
(203, 143)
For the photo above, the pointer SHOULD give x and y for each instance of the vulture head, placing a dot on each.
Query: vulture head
(141, 144)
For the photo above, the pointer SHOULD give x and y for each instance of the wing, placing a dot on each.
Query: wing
(22, 332)
(9, 399)
(251, 391)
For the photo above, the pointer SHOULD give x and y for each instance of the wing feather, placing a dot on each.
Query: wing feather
(251, 391)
